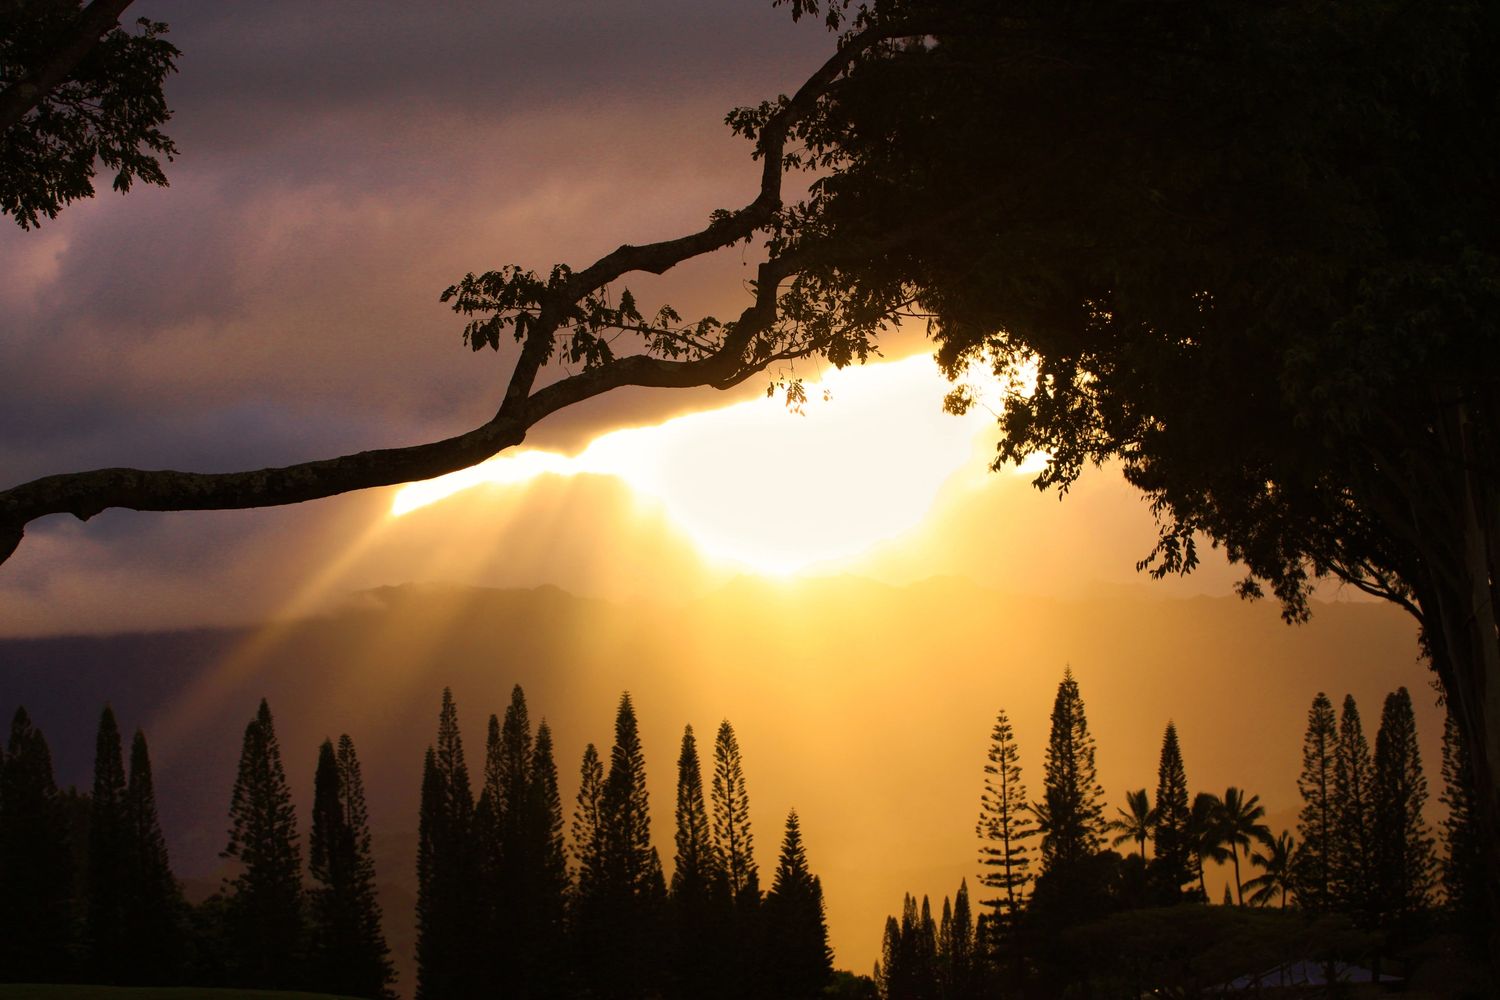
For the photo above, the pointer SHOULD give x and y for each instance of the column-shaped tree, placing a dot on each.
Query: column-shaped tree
(1403, 857)
(797, 958)
(264, 891)
(1005, 824)
(349, 953)
(1317, 822)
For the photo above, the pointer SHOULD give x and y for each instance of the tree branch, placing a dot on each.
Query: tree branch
(94, 22)
(85, 494)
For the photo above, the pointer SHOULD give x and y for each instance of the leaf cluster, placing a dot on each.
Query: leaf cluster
(109, 111)
(1244, 246)
(515, 299)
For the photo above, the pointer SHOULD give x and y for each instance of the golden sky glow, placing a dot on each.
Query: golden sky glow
(775, 491)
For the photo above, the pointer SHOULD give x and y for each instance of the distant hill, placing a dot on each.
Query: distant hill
(865, 706)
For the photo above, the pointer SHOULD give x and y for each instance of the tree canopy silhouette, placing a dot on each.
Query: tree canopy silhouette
(1247, 249)
(76, 88)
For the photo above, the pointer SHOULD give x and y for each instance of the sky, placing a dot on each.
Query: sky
(341, 164)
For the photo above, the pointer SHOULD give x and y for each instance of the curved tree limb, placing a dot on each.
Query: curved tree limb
(85, 494)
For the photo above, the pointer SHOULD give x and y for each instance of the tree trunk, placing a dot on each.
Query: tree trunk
(1459, 596)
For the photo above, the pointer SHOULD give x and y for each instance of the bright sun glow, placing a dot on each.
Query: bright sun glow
(758, 485)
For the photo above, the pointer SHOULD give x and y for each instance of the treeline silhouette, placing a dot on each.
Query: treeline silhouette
(90, 896)
(500, 913)
(1066, 913)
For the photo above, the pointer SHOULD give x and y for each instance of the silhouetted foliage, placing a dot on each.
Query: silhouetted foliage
(108, 853)
(36, 862)
(588, 827)
(77, 89)
(544, 928)
(1354, 809)
(1256, 268)
(734, 844)
(1072, 822)
(1277, 861)
(1172, 867)
(264, 895)
(449, 965)
(349, 954)
(1462, 868)
(1404, 868)
(622, 916)
(1208, 835)
(154, 912)
(1241, 816)
(960, 968)
(1136, 821)
(697, 882)
(1317, 824)
(797, 961)
(908, 965)
(1005, 824)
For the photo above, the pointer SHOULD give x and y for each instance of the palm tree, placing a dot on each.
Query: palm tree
(1242, 821)
(1207, 833)
(1135, 822)
(1279, 863)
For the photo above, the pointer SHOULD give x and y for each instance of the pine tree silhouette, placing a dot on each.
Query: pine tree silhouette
(545, 927)
(1317, 824)
(1404, 865)
(737, 894)
(622, 898)
(36, 862)
(1463, 861)
(734, 843)
(154, 911)
(1172, 867)
(1005, 824)
(1354, 809)
(1073, 826)
(349, 953)
(798, 961)
(105, 915)
(264, 905)
(695, 877)
(588, 827)
(449, 952)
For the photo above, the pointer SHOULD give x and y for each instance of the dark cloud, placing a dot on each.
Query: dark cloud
(342, 163)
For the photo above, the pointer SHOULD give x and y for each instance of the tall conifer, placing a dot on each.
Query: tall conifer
(449, 965)
(350, 957)
(1354, 804)
(1463, 862)
(105, 916)
(588, 826)
(544, 929)
(632, 891)
(1404, 866)
(1317, 824)
(154, 909)
(694, 880)
(1172, 866)
(265, 893)
(734, 844)
(1005, 824)
(1072, 824)
(36, 862)
(798, 961)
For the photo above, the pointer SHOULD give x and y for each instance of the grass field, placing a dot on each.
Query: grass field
(25, 991)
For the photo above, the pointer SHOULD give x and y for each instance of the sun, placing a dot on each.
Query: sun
(766, 488)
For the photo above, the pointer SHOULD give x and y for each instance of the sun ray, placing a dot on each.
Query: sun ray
(758, 486)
